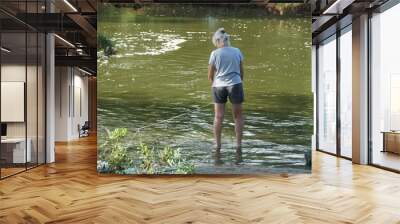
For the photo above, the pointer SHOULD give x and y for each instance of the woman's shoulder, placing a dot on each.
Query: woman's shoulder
(215, 50)
(229, 50)
(236, 49)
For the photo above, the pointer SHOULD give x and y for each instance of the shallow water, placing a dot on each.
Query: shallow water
(157, 82)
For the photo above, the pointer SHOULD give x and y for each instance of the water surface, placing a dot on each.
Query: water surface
(157, 83)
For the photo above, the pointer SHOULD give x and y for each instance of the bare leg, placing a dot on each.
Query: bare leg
(238, 117)
(218, 119)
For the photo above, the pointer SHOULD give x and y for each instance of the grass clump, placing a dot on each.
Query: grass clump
(116, 156)
(163, 161)
(114, 151)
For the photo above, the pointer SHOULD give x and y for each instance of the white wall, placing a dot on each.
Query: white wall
(80, 89)
(33, 126)
(17, 73)
(12, 73)
(70, 84)
(13, 101)
(62, 82)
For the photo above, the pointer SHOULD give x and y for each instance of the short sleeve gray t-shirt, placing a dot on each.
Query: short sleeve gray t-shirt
(226, 61)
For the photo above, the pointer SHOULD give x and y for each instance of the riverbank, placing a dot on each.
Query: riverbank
(229, 10)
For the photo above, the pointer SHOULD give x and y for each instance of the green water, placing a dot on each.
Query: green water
(159, 71)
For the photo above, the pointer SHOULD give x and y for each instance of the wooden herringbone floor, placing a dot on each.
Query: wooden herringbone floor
(70, 191)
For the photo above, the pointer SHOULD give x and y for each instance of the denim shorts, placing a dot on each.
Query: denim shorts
(234, 93)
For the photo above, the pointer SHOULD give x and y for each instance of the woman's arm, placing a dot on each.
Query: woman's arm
(211, 71)
(241, 70)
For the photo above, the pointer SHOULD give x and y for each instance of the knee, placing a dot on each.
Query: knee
(218, 118)
(237, 116)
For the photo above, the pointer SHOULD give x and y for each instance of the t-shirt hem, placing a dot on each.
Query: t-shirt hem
(232, 84)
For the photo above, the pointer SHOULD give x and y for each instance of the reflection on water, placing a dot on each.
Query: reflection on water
(146, 43)
(156, 86)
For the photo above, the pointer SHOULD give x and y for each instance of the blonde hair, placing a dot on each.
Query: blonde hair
(220, 36)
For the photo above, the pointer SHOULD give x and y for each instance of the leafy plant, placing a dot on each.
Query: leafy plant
(186, 168)
(174, 158)
(167, 160)
(169, 156)
(116, 156)
(105, 44)
(115, 151)
(148, 158)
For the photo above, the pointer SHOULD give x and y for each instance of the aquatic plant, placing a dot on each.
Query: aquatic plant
(114, 151)
(173, 158)
(147, 156)
(105, 44)
(116, 156)
(163, 161)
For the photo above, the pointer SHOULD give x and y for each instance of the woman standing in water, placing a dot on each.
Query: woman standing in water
(225, 72)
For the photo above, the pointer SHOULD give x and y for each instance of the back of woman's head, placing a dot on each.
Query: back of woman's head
(220, 37)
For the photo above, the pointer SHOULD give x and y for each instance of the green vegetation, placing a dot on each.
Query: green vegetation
(147, 159)
(105, 44)
(288, 8)
(135, 6)
(115, 151)
(233, 10)
(166, 160)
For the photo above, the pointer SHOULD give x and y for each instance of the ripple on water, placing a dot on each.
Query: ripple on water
(151, 43)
